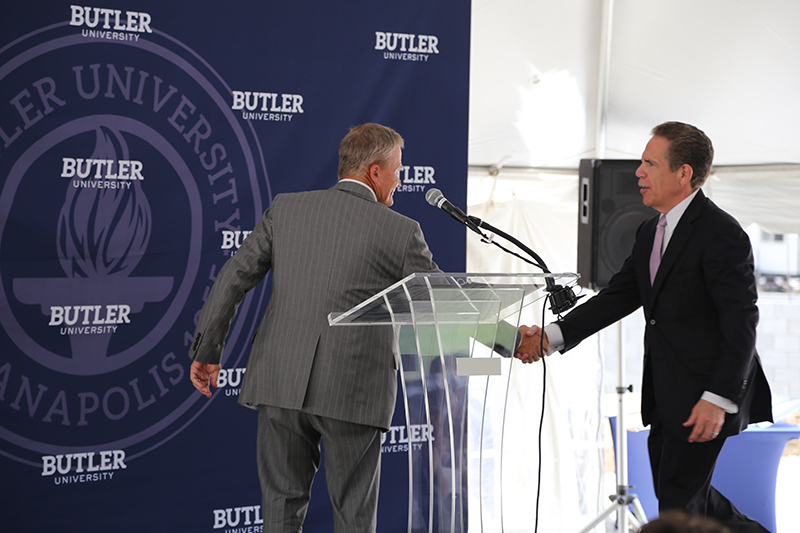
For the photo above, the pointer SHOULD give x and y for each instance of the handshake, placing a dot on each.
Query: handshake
(534, 344)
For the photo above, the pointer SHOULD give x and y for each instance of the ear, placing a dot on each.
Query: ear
(373, 170)
(685, 174)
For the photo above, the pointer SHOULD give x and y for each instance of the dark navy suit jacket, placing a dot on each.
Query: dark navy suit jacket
(701, 318)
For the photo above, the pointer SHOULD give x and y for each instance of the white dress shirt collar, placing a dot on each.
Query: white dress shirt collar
(363, 185)
(674, 216)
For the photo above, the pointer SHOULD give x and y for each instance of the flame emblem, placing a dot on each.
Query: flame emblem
(104, 232)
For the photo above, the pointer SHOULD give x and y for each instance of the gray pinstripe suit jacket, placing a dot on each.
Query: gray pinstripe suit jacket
(328, 251)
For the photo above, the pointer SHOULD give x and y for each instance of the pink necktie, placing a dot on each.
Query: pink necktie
(655, 255)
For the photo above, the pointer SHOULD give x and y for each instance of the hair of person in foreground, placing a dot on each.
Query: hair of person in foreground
(676, 521)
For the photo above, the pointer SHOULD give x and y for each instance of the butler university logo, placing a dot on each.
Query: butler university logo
(121, 162)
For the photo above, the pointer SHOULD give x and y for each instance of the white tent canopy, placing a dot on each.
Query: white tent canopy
(554, 82)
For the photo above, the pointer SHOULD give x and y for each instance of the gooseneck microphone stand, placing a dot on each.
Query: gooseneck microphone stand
(561, 298)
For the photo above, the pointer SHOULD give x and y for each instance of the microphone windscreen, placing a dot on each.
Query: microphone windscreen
(434, 196)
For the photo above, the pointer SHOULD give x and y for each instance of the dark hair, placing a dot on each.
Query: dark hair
(677, 521)
(366, 145)
(687, 145)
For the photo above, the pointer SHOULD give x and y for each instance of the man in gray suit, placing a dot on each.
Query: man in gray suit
(328, 251)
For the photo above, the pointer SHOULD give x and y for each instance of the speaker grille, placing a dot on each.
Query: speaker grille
(610, 211)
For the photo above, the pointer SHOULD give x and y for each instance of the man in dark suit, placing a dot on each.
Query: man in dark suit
(694, 276)
(328, 251)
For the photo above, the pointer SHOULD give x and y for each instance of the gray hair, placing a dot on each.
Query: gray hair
(364, 146)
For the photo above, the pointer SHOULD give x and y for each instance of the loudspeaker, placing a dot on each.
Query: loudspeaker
(610, 210)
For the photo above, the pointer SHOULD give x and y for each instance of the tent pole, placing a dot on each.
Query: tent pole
(604, 60)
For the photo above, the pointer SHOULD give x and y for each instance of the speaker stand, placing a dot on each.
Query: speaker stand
(630, 513)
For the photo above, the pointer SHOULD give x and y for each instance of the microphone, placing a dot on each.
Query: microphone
(437, 199)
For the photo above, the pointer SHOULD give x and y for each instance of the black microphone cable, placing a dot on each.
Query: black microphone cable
(561, 300)
(541, 417)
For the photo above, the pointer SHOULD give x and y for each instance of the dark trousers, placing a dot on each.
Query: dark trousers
(289, 457)
(682, 474)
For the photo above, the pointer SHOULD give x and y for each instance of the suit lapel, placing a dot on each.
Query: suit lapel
(678, 241)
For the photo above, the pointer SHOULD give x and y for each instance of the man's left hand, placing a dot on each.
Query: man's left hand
(707, 420)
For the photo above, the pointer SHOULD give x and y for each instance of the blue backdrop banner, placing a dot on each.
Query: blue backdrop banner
(140, 142)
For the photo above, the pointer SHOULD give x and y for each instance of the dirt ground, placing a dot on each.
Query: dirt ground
(793, 446)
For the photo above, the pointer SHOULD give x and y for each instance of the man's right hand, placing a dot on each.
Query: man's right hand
(534, 344)
(202, 374)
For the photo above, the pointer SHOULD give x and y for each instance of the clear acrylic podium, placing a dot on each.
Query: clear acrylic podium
(455, 335)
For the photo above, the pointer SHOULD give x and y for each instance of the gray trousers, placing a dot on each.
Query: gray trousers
(289, 456)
